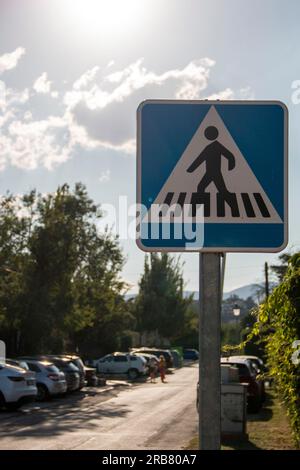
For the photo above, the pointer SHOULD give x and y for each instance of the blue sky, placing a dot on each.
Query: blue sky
(74, 71)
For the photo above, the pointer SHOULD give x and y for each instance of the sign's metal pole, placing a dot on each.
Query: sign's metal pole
(209, 352)
(223, 266)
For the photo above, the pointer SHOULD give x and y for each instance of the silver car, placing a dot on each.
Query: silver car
(50, 381)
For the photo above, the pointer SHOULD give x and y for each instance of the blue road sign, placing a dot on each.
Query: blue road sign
(212, 176)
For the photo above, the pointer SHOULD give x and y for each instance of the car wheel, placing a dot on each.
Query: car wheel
(2, 401)
(42, 392)
(133, 374)
(13, 406)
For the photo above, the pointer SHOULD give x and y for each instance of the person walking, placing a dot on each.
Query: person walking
(162, 368)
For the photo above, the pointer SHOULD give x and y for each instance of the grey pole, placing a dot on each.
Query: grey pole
(223, 266)
(209, 352)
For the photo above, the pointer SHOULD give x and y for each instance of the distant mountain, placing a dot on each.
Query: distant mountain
(243, 292)
(250, 290)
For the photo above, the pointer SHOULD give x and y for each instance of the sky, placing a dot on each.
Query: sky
(72, 73)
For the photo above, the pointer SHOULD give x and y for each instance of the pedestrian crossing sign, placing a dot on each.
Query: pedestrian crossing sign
(212, 176)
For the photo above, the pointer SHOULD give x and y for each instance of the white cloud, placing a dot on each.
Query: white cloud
(97, 111)
(28, 144)
(10, 98)
(86, 78)
(27, 116)
(136, 77)
(16, 97)
(227, 94)
(42, 84)
(10, 60)
(104, 176)
(2, 94)
(246, 93)
(106, 107)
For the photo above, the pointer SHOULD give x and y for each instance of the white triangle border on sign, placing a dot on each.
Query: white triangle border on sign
(240, 180)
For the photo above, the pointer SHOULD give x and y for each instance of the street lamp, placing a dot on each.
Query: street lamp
(236, 312)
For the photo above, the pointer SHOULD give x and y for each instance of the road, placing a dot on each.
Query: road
(143, 416)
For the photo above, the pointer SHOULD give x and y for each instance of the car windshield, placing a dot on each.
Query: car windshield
(242, 368)
(106, 358)
(52, 369)
(254, 368)
(78, 363)
(68, 366)
(23, 365)
(71, 367)
(257, 366)
(120, 358)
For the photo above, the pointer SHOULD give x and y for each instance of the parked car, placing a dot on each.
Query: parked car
(177, 358)
(16, 363)
(77, 361)
(50, 381)
(122, 363)
(157, 352)
(259, 367)
(255, 360)
(71, 372)
(148, 358)
(66, 366)
(17, 387)
(190, 355)
(247, 374)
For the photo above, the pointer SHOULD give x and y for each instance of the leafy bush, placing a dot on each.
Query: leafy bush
(278, 324)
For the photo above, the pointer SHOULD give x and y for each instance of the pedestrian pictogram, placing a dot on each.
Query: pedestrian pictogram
(212, 155)
(231, 162)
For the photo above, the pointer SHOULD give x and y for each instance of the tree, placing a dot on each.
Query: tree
(189, 335)
(59, 284)
(16, 219)
(281, 269)
(230, 334)
(160, 304)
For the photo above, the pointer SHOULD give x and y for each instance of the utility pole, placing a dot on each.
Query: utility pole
(267, 292)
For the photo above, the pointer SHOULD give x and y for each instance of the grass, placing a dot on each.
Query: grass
(269, 429)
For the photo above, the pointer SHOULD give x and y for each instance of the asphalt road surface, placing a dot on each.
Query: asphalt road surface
(143, 416)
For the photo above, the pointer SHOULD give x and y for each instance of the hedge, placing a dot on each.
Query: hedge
(278, 325)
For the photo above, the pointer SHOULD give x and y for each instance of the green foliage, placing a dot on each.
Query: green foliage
(231, 334)
(59, 277)
(160, 305)
(188, 337)
(280, 269)
(278, 326)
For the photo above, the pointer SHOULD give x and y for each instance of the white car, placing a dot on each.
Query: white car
(122, 363)
(17, 387)
(50, 381)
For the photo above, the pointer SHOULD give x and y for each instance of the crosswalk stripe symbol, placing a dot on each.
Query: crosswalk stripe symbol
(212, 171)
